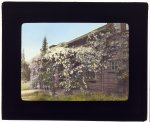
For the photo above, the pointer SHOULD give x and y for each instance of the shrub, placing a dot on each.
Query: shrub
(25, 86)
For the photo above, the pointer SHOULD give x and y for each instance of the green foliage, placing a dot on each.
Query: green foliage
(63, 44)
(25, 86)
(25, 71)
(123, 75)
(123, 72)
(44, 47)
(123, 80)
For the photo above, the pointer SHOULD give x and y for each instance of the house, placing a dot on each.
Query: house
(117, 36)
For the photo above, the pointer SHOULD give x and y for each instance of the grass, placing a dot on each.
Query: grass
(45, 96)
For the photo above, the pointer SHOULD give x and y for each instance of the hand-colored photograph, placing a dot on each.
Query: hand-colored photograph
(75, 62)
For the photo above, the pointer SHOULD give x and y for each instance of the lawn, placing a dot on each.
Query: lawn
(38, 95)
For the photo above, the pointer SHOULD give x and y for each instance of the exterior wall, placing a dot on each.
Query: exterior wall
(123, 27)
(120, 27)
(95, 86)
(105, 82)
(117, 26)
(110, 82)
(127, 27)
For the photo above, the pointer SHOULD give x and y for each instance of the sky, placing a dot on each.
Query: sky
(32, 34)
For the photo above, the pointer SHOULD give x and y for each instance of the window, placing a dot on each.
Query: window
(113, 66)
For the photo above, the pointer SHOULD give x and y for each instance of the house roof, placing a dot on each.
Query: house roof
(83, 37)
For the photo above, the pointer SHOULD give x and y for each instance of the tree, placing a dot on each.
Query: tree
(25, 71)
(44, 47)
(42, 73)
